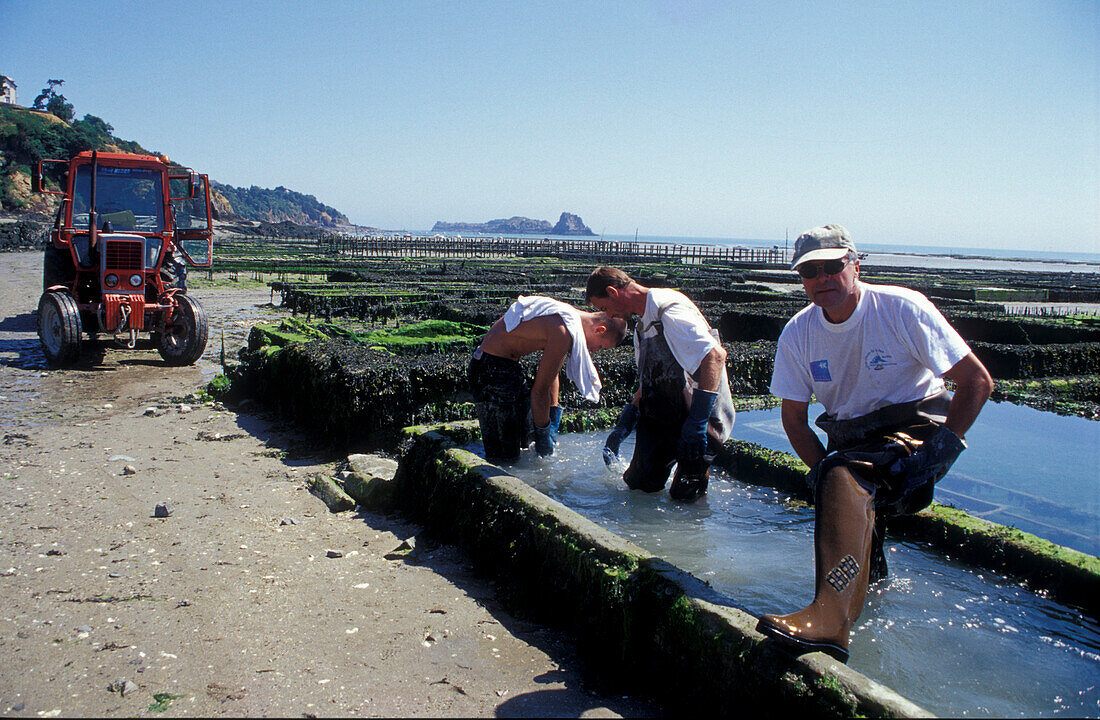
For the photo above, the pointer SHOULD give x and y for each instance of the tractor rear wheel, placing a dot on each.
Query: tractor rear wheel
(59, 328)
(184, 338)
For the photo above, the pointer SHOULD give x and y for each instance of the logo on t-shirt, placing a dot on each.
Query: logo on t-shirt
(878, 359)
(819, 371)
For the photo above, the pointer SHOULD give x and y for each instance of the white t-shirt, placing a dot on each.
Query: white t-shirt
(686, 330)
(578, 366)
(893, 349)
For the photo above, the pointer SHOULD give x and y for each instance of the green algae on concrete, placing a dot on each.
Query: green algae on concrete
(642, 623)
(369, 481)
(1075, 395)
(1068, 575)
(758, 465)
(330, 494)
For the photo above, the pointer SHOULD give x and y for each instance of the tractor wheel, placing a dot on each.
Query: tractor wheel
(57, 267)
(59, 328)
(185, 333)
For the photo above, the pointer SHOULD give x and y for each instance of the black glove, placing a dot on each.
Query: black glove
(628, 418)
(693, 434)
(547, 438)
(931, 461)
(814, 475)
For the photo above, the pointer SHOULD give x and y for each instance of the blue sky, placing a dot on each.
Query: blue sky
(967, 123)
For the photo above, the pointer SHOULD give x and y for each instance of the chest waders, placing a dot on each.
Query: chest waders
(852, 487)
(663, 407)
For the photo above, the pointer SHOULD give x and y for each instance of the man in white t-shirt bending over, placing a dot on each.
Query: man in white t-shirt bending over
(875, 357)
(682, 408)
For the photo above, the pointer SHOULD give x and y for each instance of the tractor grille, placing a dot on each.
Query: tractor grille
(124, 255)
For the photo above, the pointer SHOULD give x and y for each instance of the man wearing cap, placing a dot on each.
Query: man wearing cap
(875, 357)
(682, 408)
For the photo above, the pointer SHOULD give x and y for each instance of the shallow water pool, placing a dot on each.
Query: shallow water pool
(956, 641)
(1033, 470)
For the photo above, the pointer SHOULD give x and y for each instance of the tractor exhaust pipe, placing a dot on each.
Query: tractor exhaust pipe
(93, 219)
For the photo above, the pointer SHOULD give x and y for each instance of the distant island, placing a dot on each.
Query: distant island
(568, 224)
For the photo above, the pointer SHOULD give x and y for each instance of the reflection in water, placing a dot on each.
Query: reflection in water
(953, 639)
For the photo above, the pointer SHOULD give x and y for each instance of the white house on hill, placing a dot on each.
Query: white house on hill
(7, 90)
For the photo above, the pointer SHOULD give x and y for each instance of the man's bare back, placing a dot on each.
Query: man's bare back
(528, 337)
(547, 332)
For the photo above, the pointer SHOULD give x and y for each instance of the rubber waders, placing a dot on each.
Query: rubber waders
(843, 525)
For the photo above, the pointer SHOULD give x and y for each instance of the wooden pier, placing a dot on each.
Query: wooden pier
(600, 251)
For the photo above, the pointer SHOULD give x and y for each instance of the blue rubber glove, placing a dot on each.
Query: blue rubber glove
(628, 419)
(693, 434)
(931, 461)
(555, 418)
(547, 438)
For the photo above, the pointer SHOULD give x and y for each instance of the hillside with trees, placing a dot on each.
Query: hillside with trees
(274, 206)
(48, 130)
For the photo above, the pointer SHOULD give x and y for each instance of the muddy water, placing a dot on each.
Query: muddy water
(957, 641)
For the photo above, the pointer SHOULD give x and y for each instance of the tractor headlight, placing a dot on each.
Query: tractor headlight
(136, 280)
(111, 280)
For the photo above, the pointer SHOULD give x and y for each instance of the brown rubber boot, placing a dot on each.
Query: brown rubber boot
(843, 526)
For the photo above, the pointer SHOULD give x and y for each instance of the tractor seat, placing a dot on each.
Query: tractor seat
(121, 220)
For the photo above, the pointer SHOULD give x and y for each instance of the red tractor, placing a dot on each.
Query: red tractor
(115, 262)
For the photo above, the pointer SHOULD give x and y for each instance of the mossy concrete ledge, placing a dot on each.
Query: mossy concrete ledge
(643, 625)
(1065, 574)
(330, 493)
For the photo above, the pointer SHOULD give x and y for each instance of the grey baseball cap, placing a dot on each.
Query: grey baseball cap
(829, 242)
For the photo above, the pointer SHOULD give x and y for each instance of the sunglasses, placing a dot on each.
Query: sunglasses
(811, 270)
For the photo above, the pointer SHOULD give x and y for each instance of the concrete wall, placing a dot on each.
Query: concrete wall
(641, 623)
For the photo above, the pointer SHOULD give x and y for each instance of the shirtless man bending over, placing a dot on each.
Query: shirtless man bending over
(510, 409)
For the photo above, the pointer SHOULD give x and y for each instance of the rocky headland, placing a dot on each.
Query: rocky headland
(568, 224)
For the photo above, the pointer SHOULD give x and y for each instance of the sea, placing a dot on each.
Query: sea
(873, 249)
(920, 256)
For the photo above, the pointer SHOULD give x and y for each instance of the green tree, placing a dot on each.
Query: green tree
(91, 133)
(97, 126)
(54, 102)
(47, 92)
(60, 107)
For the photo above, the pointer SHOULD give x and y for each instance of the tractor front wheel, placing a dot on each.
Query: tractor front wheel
(184, 338)
(59, 328)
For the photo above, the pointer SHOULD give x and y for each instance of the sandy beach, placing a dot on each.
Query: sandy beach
(250, 598)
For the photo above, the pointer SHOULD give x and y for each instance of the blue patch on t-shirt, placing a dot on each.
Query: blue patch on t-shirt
(819, 371)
